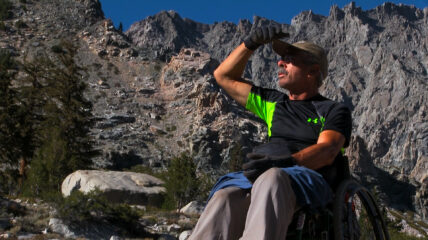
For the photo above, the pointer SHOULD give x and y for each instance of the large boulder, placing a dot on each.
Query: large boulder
(119, 187)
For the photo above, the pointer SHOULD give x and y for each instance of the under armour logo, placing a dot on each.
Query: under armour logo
(316, 120)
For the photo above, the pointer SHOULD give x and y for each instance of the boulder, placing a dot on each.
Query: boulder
(185, 235)
(82, 230)
(193, 208)
(120, 187)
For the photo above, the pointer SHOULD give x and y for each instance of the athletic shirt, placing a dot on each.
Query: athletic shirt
(300, 122)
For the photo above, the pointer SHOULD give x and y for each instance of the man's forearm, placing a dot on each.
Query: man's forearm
(234, 65)
(323, 153)
(229, 73)
(316, 156)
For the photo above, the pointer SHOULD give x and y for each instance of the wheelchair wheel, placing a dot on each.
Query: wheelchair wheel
(356, 215)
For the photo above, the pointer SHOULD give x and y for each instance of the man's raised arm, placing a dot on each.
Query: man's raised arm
(228, 74)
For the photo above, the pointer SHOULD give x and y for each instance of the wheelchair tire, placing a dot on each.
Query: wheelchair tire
(356, 215)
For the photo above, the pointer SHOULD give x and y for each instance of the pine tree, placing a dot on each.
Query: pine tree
(8, 109)
(120, 28)
(181, 182)
(65, 143)
(5, 6)
(9, 134)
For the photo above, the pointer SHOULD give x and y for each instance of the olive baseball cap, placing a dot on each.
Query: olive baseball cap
(318, 53)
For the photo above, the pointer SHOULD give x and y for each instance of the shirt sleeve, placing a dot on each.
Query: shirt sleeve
(339, 119)
(262, 101)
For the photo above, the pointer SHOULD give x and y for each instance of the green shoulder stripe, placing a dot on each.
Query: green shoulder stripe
(262, 108)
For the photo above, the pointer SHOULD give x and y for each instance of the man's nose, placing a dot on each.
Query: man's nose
(281, 63)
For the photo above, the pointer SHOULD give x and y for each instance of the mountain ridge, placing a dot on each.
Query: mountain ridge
(154, 94)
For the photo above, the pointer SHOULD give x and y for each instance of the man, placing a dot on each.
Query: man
(259, 202)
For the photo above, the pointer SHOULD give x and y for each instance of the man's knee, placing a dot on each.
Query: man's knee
(274, 175)
(227, 194)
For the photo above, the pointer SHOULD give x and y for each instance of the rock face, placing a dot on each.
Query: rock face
(119, 187)
(154, 94)
(378, 67)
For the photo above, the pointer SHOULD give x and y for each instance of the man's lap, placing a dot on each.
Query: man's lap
(309, 186)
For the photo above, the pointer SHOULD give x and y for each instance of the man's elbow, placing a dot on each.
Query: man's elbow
(333, 151)
(218, 75)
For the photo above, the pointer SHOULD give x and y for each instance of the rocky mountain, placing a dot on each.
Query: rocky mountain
(154, 94)
(378, 67)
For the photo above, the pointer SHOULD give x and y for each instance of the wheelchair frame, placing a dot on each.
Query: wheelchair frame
(353, 205)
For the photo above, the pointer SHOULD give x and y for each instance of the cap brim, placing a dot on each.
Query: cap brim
(283, 48)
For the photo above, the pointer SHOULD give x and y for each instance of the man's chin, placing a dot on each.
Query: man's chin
(282, 84)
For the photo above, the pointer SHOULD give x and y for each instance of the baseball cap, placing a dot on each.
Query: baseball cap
(318, 53)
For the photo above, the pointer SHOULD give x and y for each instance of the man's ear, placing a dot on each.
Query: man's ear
(314, 70)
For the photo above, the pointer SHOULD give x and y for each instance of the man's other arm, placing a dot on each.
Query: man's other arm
(228, 74)
(323, 152)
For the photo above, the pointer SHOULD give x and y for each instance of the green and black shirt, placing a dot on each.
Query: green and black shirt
(300, 122)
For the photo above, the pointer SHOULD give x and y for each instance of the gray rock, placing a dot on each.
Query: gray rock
(378, 68)
(83, 230)
(119, 187)
(193, 208)
(185, 235)
(57, 226)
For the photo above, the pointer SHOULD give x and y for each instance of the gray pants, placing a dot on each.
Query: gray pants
(264, 212)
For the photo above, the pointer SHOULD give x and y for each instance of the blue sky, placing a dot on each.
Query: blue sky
(130, 11)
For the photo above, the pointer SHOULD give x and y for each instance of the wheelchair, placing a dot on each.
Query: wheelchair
(353, 214)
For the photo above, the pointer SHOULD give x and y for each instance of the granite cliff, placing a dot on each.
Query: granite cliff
(154, 94)
(378, 67)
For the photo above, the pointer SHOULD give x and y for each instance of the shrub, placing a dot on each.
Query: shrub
(5, 6)
(8, 181)
(93, 207)
(63, 141)
(180, 182)
(236, 158)
(2, 26)
(57, 49)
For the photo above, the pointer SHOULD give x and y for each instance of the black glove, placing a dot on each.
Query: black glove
(259, 163)
(264, 35)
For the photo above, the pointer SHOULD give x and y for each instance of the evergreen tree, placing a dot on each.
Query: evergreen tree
(5, 6)
(181, 182)
(8, 109)
(65, 144)
(32, 98)
(9, 134)
(120, 29)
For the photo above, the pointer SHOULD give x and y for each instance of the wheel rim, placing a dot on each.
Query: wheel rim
(356, 214)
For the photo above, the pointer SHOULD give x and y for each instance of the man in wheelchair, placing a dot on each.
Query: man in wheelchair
(298, 166)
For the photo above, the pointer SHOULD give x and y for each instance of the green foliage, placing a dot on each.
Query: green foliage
(47, 167)
(146, 170)
(2, 26)
(120, 28)
(63, 130)
(236, 158)
(394, 226)
(9, 110)
(8, 181)
(181, 182)
(394, 234)
(57, 49)
(93, 207)
(5, 7)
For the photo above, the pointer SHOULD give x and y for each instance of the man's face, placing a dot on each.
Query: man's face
(293, 73)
